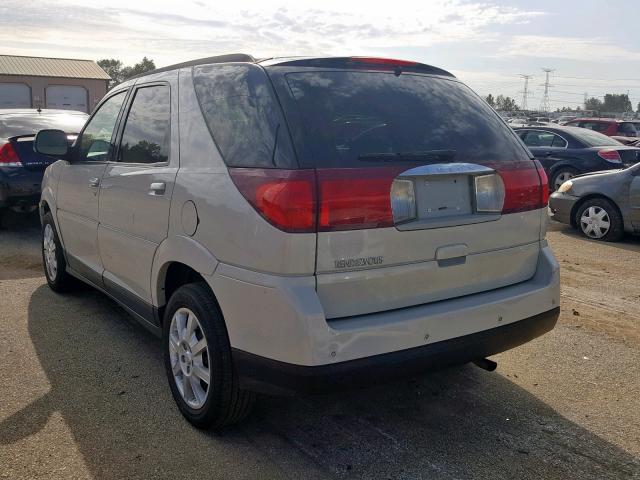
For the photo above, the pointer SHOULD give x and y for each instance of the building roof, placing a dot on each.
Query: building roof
(51, 67)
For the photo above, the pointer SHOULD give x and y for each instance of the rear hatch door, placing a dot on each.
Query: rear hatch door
(424, 193)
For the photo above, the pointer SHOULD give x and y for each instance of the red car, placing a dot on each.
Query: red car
(607, 126)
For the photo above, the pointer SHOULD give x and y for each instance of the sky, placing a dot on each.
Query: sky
(591, 47)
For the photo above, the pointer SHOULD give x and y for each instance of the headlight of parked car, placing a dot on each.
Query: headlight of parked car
(566, 186)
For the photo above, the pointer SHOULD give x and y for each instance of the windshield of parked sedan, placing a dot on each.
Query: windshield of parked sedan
(354, 118)
(14, 124)
(593, 139)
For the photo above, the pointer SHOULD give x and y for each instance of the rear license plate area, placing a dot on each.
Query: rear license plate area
(444, 196)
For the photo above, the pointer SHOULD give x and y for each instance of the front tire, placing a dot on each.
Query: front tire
(55, 265)
(599, 219)
(198, 362)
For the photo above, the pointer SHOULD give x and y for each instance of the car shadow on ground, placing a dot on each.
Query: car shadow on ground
(107, 380)
(628, 242)
(20, 246)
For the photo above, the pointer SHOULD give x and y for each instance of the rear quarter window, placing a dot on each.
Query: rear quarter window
(244, 116)
(350, 117)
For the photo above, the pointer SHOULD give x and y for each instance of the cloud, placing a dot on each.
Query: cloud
(565, 48)
(171, 31)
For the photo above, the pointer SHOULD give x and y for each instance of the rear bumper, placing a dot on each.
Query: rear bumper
(278, 323)
(19, 186)
(271, 376)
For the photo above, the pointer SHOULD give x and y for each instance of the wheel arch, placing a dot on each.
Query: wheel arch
(179, 260)
(586, 198)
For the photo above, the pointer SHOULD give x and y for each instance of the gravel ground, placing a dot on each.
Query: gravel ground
(83, 394)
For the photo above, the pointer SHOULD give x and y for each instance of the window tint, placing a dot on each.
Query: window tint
(538, 139)
(559, 142)
(595, 126)
(95, 143)
(146, 134)
(359, 118)
(593, 139)
(628, 129)
(243, 116)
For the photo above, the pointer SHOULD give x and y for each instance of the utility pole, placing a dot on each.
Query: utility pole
(544, 105)
(525, 92)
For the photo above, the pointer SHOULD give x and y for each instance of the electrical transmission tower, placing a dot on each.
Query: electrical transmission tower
(525, 92)
(544, 104)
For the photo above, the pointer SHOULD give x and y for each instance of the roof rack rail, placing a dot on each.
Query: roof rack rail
(232, 57)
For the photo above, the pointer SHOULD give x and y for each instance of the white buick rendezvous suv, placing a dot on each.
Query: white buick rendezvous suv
(302, 224)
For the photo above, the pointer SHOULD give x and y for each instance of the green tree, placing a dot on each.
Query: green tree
(506, 104)
(490, 100)
(113, 68)
(119, 74)
(593, 104)
(617, 102)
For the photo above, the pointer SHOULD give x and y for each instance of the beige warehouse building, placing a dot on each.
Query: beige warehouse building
(39, 82)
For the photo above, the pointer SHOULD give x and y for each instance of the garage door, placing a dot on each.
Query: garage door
(15, 95)
(67, 97)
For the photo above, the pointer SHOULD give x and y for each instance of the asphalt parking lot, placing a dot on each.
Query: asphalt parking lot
(83, 394)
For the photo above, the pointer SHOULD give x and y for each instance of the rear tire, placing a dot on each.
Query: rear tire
(196, 348)
(560, 176)
(600, 219)
(53, 261)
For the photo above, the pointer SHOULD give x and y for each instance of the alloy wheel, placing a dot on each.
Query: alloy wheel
(49, 250)
(189, 353)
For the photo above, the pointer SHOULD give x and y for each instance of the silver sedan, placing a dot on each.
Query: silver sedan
(602, 205)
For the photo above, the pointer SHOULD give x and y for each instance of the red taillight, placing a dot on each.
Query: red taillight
(9, 156)
(525, 184)
(322, 200)
(544, 183)
(355, 198)
(383, 61)
(610, 156)
(285, 198)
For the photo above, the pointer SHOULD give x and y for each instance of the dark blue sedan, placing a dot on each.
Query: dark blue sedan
(565, 152)
(21, 169)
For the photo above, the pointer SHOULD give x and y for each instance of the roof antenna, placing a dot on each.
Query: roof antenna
(39, 110)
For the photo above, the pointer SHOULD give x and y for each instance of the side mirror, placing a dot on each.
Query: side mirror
(51, 142)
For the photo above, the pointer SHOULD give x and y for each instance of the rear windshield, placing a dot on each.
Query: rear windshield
(357, 118)
(14, 124)
(593, 139)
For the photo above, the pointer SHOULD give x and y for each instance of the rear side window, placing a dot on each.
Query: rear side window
(595, 126)
(147, 130)
(628, 129)
(355, 119)
(243, 116)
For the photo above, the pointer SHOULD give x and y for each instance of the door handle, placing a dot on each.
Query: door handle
(157, 188)
(94, 182)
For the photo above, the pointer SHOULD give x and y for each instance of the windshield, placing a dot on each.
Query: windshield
(15, 124)
(352, 118)
(593, 139)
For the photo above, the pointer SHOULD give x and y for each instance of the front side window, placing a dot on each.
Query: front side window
(595, 126)
(146, 134)
(95, 143)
